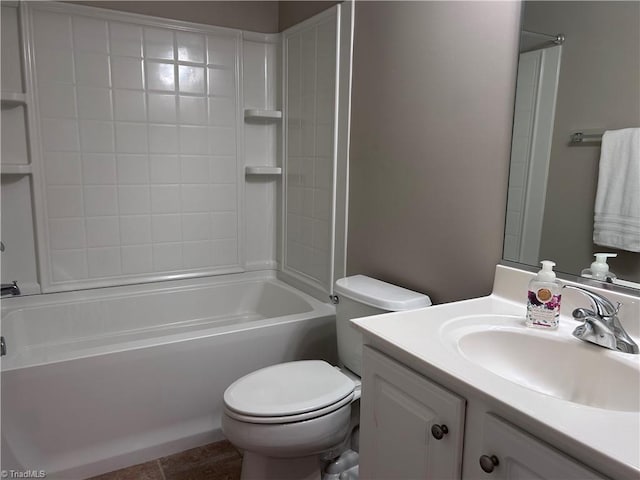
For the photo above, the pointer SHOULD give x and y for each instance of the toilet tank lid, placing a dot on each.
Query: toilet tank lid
(379, 294)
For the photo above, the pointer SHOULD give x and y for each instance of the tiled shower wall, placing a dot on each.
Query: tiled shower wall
(138, 144)
(310, 111)
(262, 147)
(18, 261)
(139, 140)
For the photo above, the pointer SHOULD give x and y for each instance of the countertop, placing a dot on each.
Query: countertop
(609, 439)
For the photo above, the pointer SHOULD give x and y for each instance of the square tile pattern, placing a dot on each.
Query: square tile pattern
(139, 139)
(310, 113)
(216, 461)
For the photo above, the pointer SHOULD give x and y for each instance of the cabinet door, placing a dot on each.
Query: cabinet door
(398, 410)
(521, 456)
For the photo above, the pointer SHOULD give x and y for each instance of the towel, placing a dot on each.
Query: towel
(617, 209)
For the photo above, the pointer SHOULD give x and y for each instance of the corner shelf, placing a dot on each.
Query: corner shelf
(258, 114)
(9, 169)
(12, 100)
(255, 170)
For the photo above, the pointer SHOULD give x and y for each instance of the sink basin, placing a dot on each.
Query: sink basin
(552, 363)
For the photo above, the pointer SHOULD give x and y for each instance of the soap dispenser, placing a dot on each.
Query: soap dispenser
(543, 303)
(599, 269)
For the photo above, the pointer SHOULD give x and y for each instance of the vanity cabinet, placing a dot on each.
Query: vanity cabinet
(413, 428)
(520, 456)
(398, 411)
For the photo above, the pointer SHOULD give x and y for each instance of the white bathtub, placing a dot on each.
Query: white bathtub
(101, 379)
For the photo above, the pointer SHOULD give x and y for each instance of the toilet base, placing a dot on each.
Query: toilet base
(259, 467)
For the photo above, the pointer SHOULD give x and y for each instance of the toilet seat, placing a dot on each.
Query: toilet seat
(288, 392)
(291, 418)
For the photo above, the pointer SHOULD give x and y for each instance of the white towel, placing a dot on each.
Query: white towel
(617, 209)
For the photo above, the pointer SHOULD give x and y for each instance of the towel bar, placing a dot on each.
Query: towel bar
(578, 138)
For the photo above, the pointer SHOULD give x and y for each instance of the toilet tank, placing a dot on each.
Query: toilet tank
(362, 296)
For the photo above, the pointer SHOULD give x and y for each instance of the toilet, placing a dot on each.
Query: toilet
(292, 418)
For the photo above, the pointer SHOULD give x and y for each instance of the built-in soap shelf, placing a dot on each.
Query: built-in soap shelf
(265, 171)
(259, 114)
(10, 169)
(11, 99)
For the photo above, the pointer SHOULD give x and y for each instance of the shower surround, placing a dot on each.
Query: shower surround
(141, 140)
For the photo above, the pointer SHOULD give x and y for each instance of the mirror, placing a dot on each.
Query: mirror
(589, 83)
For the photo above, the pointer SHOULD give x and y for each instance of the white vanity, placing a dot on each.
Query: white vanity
(466, 391)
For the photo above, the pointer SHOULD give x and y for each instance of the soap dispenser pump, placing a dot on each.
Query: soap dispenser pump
(543, 300)
(599, 269)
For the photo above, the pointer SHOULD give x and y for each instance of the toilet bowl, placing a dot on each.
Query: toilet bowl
(290, 409)
(293, 417)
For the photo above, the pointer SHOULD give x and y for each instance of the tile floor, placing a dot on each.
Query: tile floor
(216, 461)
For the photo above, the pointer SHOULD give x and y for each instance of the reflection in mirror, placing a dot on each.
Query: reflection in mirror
(530, 41)
(588, 84)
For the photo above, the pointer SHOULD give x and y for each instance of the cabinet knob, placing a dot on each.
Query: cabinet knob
(439, 431)
(488, 463)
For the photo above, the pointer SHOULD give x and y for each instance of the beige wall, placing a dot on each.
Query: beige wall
(432, 107)
(267, 16)
(599, 88)
(254, 16)
(292, 12)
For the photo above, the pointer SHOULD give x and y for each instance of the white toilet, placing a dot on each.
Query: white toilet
(289, 418)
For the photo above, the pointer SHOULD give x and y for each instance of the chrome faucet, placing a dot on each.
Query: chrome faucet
(9, 289)
(601, 325)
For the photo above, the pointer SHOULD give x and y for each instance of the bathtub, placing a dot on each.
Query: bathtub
(101, 379)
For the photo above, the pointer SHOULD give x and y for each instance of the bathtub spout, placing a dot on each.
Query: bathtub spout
(10, 289)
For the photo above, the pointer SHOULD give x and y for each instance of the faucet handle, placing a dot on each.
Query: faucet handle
(582, 313)
(602, 306)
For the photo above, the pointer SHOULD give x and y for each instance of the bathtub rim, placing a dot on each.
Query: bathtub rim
(46, 355)
(11, 304)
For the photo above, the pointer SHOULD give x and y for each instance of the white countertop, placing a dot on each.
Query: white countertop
(608, 436)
